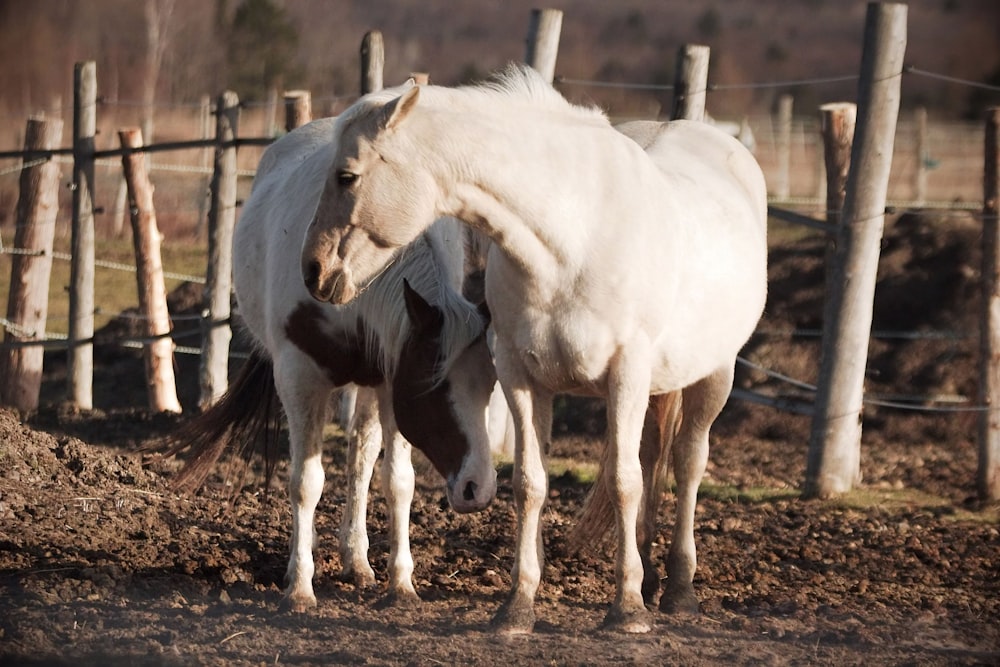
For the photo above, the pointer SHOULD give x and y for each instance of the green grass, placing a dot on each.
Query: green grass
(114, 290)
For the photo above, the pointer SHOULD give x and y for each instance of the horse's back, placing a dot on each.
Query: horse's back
(711, 161)
(268, 239)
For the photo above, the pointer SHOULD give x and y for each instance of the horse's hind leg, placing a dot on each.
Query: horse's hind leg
(305, 404)
(658, 431)
(703, 401)
(397, 482)
(364, 437)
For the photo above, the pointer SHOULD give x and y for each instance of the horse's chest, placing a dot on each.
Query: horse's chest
(566, 352)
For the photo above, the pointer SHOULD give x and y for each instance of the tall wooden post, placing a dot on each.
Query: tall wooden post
(988, 471)
(216, 330)
(782, 186)
(834, 460)
(28, 299)
(159, 354)
(80, 378)
(837, 123)
(543, 41)
(690, 82)
(372, 62)
(923, 154)
(298, 109)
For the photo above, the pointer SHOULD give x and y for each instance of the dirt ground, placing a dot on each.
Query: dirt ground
(102, 563)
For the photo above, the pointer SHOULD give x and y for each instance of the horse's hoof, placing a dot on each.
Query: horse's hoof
(399, 599)
(361, 579)
(297, 604)
(515, 617)
(679, 601)
(633, 622)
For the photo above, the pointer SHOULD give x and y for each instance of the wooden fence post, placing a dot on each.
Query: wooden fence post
(372, 61)
(28, 299)
(782, 185)
(543, 41)
(834, 459)
(216, 330)
(988, 471)
(690, 82)
(922, 156)
(159, 353)
(298, 109)
(837, 122)
(80, 378)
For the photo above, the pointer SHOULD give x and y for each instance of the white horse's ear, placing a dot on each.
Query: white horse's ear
(397, 110)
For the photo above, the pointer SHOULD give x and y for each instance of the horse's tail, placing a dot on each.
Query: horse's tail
(597, 518)
(245, 420)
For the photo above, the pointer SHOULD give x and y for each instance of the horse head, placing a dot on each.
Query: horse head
(441, 405)
(360, 222)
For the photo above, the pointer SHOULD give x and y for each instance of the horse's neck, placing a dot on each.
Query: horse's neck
(497, 187)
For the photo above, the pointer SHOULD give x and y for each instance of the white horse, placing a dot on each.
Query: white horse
(615, 271)
(424, 367)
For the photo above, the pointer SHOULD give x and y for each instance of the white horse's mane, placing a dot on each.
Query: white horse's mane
(433, 268)
(516, 84)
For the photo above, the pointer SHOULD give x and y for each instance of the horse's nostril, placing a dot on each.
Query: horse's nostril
(312, 274)
(470, 491)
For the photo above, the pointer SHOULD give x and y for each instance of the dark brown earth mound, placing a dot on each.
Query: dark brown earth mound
(102, 563)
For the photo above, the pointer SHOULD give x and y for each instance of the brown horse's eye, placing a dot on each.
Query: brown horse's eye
(346, 178)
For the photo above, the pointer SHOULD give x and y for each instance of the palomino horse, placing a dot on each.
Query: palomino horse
(424, 366)
(615, 271)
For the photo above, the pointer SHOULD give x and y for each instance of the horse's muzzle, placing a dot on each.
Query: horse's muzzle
(334, 287)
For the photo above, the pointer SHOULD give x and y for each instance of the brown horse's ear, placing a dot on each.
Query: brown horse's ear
(422, 315)
(397, 110)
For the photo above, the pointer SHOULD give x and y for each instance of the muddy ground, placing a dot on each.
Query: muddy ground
(102, 563)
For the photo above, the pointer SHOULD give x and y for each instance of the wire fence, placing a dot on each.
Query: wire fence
(953, 147)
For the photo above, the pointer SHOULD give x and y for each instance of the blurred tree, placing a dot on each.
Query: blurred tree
(262, 49)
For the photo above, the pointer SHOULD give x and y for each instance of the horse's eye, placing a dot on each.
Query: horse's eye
(346, 178)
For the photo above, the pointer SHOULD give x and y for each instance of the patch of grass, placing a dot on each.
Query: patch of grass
(910, 499)
(753, 495)
(565, 470)
(114, 289)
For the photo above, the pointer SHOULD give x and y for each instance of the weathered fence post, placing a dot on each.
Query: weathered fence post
(372, 61)
(988, 471)
(837, 122)
(543, 41)
(80, 378)
(690, 82)
(834, 458)
(782, 184)
(922, 156)
(298, 109)
(205, 132)
(216, 331)
(28, 299)
(159, 353)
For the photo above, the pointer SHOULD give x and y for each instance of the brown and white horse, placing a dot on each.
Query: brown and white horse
(412, 342)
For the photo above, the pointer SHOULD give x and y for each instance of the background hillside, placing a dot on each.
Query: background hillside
(174, 51)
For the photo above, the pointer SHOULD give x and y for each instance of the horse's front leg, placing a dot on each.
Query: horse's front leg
(703, 401)
(532, 412)
(364, 436)
(305, 408)
(397, 483)
(628, 398)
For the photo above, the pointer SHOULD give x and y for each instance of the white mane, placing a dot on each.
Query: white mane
(433, 266)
